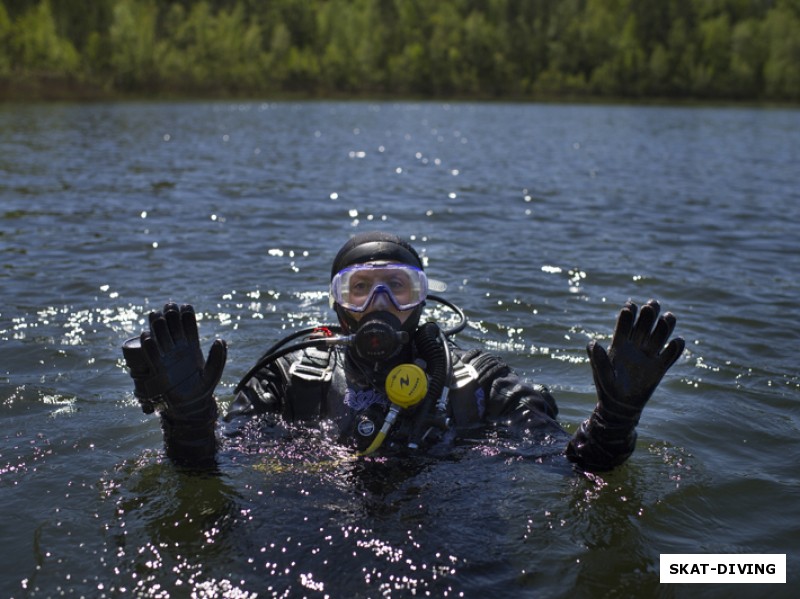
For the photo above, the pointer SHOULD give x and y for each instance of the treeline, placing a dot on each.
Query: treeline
(717, 49)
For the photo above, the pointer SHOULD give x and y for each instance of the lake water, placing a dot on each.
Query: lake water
(543, 220)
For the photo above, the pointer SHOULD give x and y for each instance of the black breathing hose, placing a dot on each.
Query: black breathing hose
(439, 352)
(462, 318)
(283, 347)
(430, 346)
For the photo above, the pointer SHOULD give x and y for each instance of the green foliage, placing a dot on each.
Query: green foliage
(204, 50)
(5, 36)
(741, 49)
(782, 67)
(132, 37)
(749, 50)
(34, 43)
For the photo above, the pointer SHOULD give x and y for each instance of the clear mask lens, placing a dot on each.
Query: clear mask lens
(356, 287)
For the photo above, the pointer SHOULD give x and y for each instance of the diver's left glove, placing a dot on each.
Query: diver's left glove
(170, 374)
(487, 366)
(625, 378)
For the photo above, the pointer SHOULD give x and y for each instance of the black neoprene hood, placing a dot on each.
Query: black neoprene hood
(372, 246)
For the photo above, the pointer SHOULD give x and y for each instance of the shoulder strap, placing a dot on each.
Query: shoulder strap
(309, 379)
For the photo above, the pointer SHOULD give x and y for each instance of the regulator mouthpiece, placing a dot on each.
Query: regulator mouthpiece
(378, 337)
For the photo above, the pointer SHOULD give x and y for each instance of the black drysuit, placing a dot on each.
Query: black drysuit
(311, 385)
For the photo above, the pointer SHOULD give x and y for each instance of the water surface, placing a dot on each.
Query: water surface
(543, 220)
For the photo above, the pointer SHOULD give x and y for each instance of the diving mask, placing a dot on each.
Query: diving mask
(355, 288)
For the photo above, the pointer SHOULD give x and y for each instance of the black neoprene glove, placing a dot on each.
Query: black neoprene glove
(487, 366)
(167, 366)
(625, 378)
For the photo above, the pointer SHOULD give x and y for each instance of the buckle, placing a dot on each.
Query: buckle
(309, 372)
(463, 375)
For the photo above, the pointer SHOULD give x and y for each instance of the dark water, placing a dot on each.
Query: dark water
(542, 219)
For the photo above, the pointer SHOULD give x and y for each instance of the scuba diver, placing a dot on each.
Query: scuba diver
(388, 383)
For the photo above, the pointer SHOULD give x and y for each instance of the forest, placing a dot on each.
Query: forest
(721, 50)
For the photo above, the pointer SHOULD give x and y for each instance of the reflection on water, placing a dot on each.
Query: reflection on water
(543, 220)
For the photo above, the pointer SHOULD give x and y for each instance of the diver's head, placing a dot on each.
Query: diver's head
(375, 275)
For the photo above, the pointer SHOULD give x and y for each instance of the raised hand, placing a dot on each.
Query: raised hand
(167, 364)
(639, 356)
(625, 378)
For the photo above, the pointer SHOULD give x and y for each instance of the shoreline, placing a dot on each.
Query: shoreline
(55, 89)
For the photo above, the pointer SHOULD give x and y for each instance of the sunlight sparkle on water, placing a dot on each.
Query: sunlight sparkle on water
(551, 269)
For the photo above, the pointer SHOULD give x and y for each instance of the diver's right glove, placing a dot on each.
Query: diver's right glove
(167, 365)
(169, 373)
(625, 378)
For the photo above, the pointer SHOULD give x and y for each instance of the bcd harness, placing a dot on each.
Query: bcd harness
(309, 380)
(310, 377)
